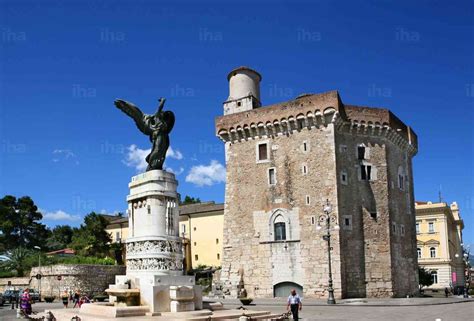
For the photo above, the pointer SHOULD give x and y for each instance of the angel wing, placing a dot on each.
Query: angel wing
(168, 118)
(135, 113)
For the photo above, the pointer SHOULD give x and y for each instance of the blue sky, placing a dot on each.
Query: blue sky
(63, 63)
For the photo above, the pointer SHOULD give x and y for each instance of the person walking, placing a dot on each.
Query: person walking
(25, 302)
(65, 298)
(77, 297)
(294, 304)
(446, 292)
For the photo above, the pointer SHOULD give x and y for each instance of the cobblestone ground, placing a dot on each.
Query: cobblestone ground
(385, 310)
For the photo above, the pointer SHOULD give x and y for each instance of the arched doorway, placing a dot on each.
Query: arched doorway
(282, 290)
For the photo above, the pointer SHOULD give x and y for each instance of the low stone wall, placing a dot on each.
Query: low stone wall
(16, 283)
(86, 278)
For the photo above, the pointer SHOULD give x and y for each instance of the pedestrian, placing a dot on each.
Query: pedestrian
(25, 302)
(77, 297)
(294, 304)
(65, 298)
(446, 292)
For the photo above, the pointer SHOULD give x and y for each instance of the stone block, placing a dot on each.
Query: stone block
(181, 293)
(181, 306)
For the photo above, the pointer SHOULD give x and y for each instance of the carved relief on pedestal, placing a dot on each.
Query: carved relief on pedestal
(154, 246)
(147, 264)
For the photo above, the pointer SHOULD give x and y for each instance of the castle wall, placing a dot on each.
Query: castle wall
(251, 206)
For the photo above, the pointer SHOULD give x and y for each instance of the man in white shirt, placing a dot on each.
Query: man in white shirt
(294, 303)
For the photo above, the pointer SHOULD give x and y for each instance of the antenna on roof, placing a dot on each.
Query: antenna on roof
(440, 194)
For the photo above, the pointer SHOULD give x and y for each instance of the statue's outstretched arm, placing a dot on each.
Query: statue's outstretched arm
(162, 104)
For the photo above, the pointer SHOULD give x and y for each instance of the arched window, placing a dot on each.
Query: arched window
(279, 228)
(418, 251)
(432, 252)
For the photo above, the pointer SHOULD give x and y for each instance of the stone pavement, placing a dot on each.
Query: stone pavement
(416, 309)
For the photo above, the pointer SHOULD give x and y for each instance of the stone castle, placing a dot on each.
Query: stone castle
(283, 162)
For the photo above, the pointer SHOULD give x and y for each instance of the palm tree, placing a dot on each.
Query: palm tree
(15, 260)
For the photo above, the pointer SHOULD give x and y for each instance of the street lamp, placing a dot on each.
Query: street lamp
(39, 265)
(328, 219)
(467, 272)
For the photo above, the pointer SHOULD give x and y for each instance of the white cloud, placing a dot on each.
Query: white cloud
(59, 215)
(64, 155)
(176, 172)
(135, 157)
(207, 175)
(176, 154)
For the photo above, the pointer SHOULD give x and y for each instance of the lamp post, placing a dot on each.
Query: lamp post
(327, 219)
(39, 267)
(467, 271)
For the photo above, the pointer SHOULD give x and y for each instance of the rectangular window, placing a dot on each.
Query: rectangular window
(262, 151)
(148, 208)
(308, 200)
(280, 231)
(431, 227)
(196, 257)
(366, 172)
(271, 176)
(313, 220)
(417, 228)
(434, 277)
(194, 228)
(361, 152)
(418, 252)
(305, 147)
(195, 243)
(117, 236)
(183, 228)
(217, 241)
(218, 256)
(402, 230)
(394, 228)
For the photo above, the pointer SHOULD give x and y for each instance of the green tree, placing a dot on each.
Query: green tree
(60, 238)
(92, 238)
(425, 278)
(16, 261)
(20, 223)
(190, 200)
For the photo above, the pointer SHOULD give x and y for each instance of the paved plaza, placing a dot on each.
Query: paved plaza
(420, 309)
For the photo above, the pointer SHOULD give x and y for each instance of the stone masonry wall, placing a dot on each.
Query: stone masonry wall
(88, 279)
(250, 202)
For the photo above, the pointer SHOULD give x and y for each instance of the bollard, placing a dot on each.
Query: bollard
(18, 313)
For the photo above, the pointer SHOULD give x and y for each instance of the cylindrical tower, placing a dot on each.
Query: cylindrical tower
(244, 90)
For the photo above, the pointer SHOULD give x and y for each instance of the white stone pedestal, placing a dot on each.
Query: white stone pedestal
(154, 254)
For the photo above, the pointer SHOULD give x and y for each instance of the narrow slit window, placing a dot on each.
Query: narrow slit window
(308, 200)
(271, 176)
(373, 215)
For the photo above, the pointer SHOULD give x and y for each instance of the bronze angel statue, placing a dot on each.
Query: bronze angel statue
(157, 127)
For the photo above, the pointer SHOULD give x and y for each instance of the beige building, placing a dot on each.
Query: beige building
(439, 237)
(283, 162)
(200, 225)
